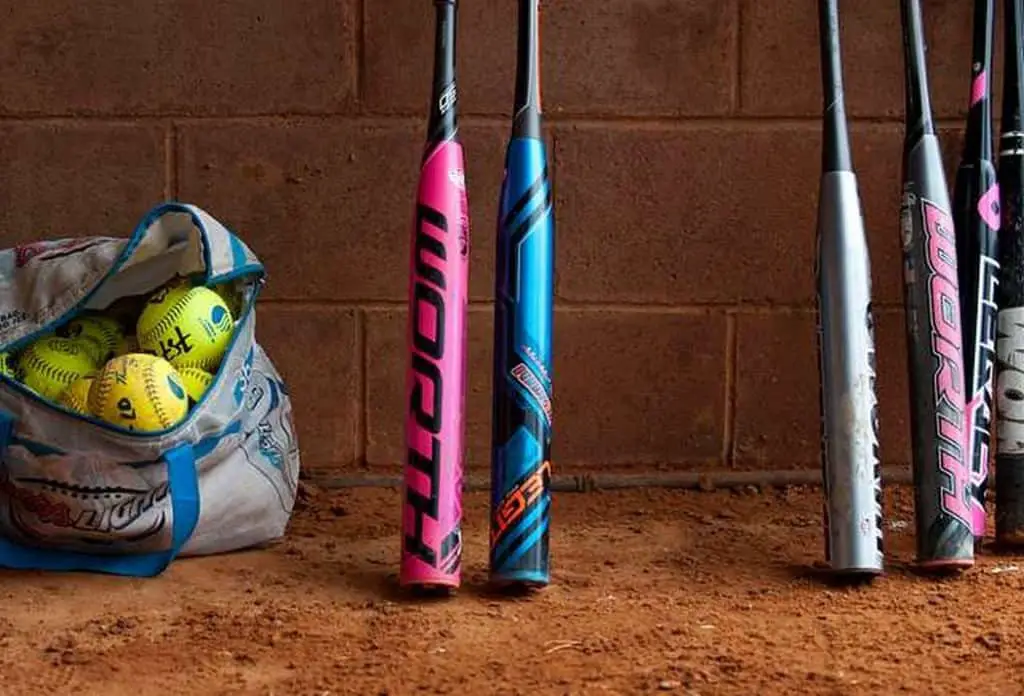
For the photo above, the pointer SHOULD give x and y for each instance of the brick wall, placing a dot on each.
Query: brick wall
(686, 155)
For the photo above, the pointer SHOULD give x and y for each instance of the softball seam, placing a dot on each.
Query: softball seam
(111, 338)
(204, 364)
(149, 384)
(170, 317)
(57, 374)
(101, 389)
(71, 400)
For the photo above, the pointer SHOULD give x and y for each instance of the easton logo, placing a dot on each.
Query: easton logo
(428, 322)
(944, 320)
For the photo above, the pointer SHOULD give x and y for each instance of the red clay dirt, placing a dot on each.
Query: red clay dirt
(654, 591)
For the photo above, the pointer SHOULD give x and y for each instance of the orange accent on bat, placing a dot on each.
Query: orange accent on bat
(518, 500)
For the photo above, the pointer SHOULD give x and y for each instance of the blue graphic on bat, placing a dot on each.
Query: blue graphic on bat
(521, 470)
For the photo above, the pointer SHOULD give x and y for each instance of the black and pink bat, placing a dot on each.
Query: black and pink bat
(431, 557)
(976, 219)
(942, 476)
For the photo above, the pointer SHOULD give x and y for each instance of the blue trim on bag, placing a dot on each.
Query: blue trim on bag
(133, 242)
(36, 449)
(238, 258)
(93, 420)
(183, 491)
(209, 444)
(252, 269)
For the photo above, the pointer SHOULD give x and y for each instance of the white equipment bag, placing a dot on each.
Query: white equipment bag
(80, 494)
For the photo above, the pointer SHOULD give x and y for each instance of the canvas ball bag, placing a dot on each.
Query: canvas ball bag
(80, 494)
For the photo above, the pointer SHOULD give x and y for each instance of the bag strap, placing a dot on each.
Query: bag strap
(183, 483)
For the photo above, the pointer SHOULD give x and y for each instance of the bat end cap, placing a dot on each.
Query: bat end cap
(944, 566)
(519, 585)
(430, 590)
(856, 575)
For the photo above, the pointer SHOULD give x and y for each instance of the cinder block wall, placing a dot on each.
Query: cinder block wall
(685, 139)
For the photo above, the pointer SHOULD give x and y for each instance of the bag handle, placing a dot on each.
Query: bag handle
(183, 483)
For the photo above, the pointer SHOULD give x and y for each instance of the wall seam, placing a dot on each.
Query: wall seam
(171, 185)
(360, 51)
(729, 420)
(479, 304)
(370, 118)
(362, 410)
(737, 96)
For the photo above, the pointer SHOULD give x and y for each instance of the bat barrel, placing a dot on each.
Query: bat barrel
(522, 396)
(851, 467)
(942, 486)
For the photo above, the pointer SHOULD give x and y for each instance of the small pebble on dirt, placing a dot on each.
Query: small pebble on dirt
(992, 641)
(668, 685)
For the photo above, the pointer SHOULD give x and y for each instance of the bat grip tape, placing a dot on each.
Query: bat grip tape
(183, 491)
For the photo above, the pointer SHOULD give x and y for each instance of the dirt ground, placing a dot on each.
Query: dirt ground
(654, 591)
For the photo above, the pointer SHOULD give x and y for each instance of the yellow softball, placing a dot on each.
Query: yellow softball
(196, 382)
(187, 326)
(51, 364)
(139, 392)
(100, 335)
(5, 365)
(76, 397)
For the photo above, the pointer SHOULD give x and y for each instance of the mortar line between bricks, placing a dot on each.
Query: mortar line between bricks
(736, 100)
(731, 368)
(360, 50)
(553, 175)
(738, 122)
(182, 119)
(697, 309)
(362, 409)
(171, 163)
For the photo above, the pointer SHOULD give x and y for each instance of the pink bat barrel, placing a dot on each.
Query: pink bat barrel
(435, 386)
